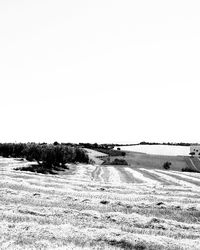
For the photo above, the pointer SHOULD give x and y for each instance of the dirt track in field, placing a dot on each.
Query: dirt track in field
(99, 207)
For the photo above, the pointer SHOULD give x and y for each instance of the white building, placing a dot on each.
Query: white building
(195, 149)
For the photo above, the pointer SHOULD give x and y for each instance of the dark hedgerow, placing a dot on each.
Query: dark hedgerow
(48, 156)
(115, 162)
(188, 169)
(12, 149)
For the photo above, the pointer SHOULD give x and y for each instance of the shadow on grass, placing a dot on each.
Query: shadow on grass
(188, 169)
(123, 244)
(42, 169)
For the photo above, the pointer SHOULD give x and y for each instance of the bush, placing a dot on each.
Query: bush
(167, 165)
(119, 162)
(112, 152)
(115, 162)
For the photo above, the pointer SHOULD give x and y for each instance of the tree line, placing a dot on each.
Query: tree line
(166, 143)
(46, 155)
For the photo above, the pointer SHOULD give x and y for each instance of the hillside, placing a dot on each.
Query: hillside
(99, 207)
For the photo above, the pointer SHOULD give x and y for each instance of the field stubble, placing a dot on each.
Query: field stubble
(99, 207)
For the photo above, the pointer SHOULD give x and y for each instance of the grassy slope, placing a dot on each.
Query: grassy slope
(138, 160)
(94, 207)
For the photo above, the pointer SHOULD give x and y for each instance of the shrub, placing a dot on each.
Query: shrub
(112, 152)
(167, 165)
(56, 143)
(119, 162)
(115, 162)
(123, 154)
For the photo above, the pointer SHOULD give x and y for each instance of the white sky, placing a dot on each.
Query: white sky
(99, 71)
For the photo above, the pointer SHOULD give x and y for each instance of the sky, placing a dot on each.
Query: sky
(108, 71)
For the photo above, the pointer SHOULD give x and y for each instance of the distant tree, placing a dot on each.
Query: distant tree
(167, 165)
(116, 161)
(33, 152)
(55, 143)
(123, 153)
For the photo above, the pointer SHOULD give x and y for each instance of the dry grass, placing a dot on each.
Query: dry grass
(97, 207)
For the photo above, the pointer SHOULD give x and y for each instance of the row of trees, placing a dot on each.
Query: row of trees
(166, 143)
(97, 146)
(103, 148)
(48, 155)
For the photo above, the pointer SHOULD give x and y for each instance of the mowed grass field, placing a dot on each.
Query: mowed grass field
(138, 160)
(139, 206)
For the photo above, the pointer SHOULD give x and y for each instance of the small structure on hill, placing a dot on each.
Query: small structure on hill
(195, 150)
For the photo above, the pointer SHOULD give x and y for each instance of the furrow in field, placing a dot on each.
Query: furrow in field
(95, 173)
(82, 173)
(140, 176)
(162, 177)
(192, 179)
(101, 173)
(194, 175)
(43, 181)
(165, 176)
(154, 177)
(114, 176)
(126, 177)
(105, 174)
(196, 163)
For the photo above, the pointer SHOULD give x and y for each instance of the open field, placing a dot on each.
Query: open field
(140, 206)
(154, 161)
(159, 149)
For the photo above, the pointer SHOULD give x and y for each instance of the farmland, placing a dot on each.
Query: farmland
(139, 206)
